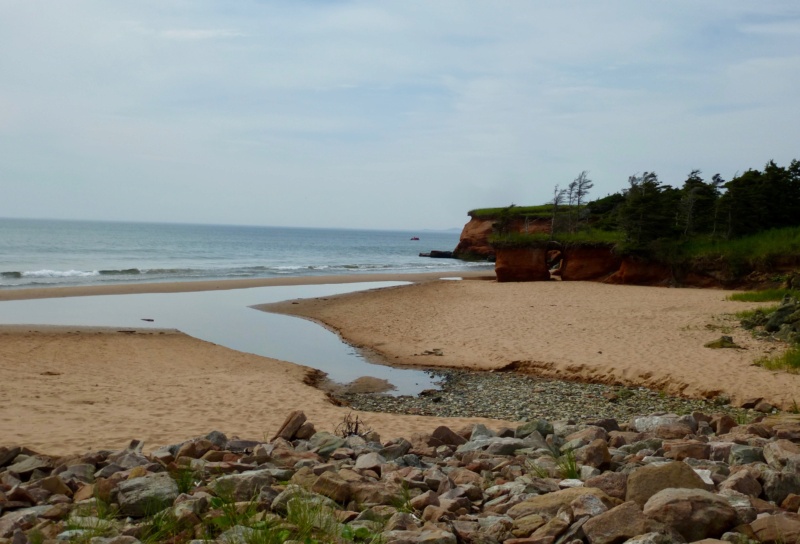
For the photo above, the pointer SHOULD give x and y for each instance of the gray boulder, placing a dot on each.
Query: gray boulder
(146, 495)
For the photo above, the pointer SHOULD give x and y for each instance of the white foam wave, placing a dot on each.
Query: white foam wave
(59, 274)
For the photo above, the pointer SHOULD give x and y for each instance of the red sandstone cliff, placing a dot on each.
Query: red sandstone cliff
(474, 241)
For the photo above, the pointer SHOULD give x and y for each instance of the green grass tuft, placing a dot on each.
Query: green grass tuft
(767, 295)
(749, 314)
(788, 361)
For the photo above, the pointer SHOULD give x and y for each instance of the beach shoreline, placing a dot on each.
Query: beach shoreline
(28, 293)
(70, 389)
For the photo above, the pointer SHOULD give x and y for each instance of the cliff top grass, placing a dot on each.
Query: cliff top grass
(591, 237)
(542, 211)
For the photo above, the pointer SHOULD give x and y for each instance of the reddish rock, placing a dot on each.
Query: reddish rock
(618, 525)
(521, 264)
(474, 240)
(290, 425)
(614, 484)
(588, 263)
(782, 528)
(646, 481)
(640, 272)
(332, 486)
(722, 424)
(743, 481)
(694, 513)
(687, 449)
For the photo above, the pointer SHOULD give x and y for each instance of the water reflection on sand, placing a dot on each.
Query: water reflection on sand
(224, 318)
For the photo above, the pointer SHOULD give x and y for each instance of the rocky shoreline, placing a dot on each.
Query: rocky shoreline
(521, 397)
(652, 479)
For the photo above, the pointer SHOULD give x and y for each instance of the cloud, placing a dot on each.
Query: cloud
(394, 114)
(194, 34)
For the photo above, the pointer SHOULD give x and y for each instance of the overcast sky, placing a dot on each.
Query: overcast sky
(368, 114)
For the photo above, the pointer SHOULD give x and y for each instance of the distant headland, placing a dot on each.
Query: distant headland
(707, 233)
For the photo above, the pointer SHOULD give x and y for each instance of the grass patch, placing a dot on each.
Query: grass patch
(750, 314)
(788, 361)
(759, 250)
(534, 212)
(590, 237)
(767, 295)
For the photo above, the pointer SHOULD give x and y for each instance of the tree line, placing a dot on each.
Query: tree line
(649, 210)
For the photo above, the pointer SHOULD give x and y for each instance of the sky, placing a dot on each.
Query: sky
(372, 114)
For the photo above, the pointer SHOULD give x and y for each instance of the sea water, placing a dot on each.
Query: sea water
(38, 253)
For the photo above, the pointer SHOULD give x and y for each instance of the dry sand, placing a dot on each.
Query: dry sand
(69, 390)
(65, 390)
(630, 335)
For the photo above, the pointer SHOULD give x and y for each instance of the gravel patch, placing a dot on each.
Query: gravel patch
(519, 397)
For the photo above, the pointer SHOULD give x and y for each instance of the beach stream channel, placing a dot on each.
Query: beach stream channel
(226, 318)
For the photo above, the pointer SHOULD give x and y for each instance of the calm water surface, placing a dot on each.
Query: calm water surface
(224, 318)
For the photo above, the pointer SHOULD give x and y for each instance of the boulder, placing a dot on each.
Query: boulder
(694, 513)
(244, 486)
(146, 495)
(777, 529)
(548, 505)
(618, 524)
(646, 481)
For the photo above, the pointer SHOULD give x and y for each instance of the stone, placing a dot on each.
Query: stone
(777, 529)
(665, 426)
(242, 487)
(778, 485)
(646, 481)
(325, 443)
(618, 524)
(420, 502)
(547, 533)
(395, 449)
(426, 536)
(333, 486)
(12, 521)
(743, 482)
(370, 461)
(723, 342)
(588, 506)
(290, 425)
(551, 503)
(694, 513)
(614, 484)
(741, 454)
(29, 464)
(722, 424)
(146, 495)
(445, 435)
(526, 525)
(782, 454)
(594, 454)
(681, 450)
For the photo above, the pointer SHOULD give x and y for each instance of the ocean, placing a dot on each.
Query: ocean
(39, 253)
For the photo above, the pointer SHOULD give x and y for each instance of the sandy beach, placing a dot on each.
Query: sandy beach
(67, 390)
(628, 335)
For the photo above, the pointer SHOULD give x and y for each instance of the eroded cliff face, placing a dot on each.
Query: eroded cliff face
(588, 263)
(474, 241)
(522, 264)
